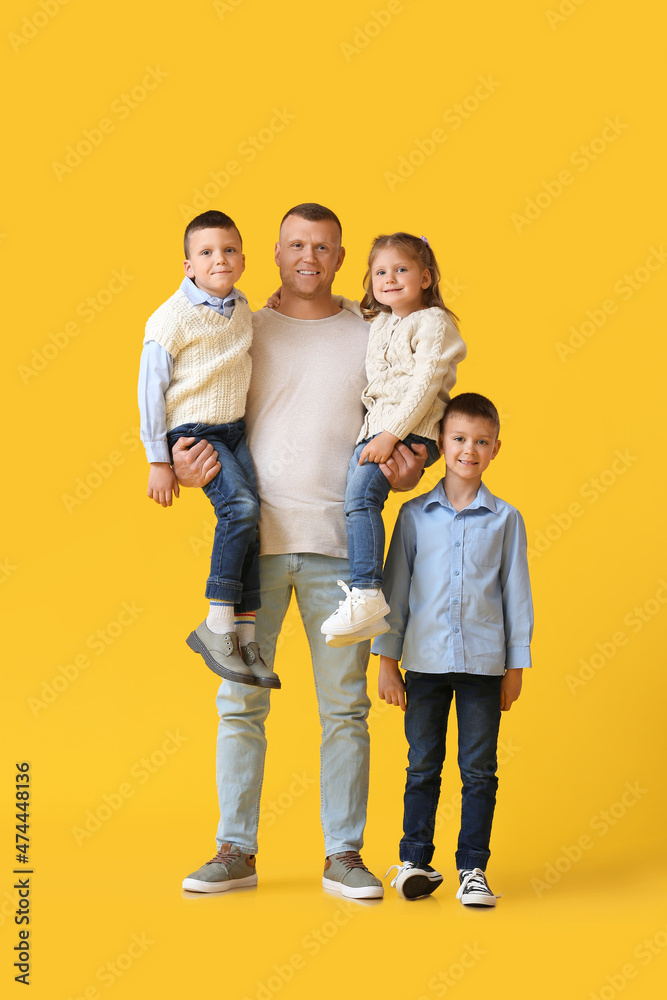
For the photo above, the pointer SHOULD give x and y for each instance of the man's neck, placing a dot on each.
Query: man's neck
(318, 308)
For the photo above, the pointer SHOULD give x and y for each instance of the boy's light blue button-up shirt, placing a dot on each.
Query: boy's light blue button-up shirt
(458, 586)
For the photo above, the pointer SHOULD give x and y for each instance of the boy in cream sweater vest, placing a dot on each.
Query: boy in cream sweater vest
(193, 382)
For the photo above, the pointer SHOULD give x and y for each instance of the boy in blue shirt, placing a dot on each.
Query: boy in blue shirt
(461, 623)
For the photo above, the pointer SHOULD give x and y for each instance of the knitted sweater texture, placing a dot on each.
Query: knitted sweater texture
(212, 365)
(410, 366)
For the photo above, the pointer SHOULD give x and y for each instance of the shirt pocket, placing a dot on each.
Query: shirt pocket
(484, 546)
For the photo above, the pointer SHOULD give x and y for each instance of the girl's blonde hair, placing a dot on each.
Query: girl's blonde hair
(419, 249)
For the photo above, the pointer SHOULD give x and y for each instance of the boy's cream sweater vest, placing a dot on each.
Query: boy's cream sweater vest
(212, 366)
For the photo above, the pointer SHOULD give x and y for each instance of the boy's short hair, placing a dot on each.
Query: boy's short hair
(313, 212)
(207, 220)
(472, 405)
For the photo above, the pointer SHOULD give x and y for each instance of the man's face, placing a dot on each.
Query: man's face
(308, 255)
(216, 260)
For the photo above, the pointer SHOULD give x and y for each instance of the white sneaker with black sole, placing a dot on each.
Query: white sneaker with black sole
(474, 889)
(414, 880)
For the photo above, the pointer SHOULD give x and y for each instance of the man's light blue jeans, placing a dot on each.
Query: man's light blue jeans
(340, 683)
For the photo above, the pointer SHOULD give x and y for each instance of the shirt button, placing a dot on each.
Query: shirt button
(455, 629)
(455, 601)
(456, 572)
(457, 542)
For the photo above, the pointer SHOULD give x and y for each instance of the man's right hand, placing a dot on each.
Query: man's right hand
(195, 464)
(404, 467)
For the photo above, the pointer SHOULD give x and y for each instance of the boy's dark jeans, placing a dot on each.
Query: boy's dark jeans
(233, 492)
(429, 697)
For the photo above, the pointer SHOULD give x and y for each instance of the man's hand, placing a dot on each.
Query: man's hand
(273, 300)
(195, 464)
(404, 468)
(379, 448)
(162, 483)
(510, 688)
(391, 686)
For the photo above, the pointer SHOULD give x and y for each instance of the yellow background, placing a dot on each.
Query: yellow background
(582, 458)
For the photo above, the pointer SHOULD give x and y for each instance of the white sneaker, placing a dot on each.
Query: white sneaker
(414, 880)
(356, 612)
(369, 632)
(474, 889)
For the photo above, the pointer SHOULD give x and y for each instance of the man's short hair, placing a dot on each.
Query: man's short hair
(473, 406)
(313, 212)
(207, 220)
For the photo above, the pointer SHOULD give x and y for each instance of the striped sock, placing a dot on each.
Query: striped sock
(220, 617)
(245, 626)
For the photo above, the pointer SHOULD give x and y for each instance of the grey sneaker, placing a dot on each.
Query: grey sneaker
(221, 654)
(474, 889)
(264, 676)
(415, 880)
(229, 869)
(347, 874)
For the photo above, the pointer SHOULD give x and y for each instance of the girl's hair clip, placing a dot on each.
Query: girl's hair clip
(425, 241)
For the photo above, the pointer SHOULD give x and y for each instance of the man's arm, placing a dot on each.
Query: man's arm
(195, 464)
(404, 466)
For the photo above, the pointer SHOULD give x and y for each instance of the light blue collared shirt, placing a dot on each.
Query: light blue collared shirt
(458, 586)
(156, 369)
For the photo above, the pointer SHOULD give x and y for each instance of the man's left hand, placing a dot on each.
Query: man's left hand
(404, 467)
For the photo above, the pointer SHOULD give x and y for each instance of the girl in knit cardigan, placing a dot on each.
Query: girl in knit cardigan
(414, 346)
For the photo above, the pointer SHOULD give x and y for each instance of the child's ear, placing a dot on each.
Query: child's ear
(426, 278)
(496, 448)
(441, 440)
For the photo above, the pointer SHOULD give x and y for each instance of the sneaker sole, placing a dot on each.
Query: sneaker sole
(358, 628)
(195, 885)
(419, 885)
(197, 646)
(367, 634)
(478, 900)
(354, 892)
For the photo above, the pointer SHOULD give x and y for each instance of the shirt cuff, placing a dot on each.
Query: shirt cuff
(388, 645)
(157, 451)
(517, 658)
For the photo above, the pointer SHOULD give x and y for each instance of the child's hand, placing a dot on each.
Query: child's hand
(390, 683)
(273, 301)
(510, 688)
(162, 482)
(378, 448)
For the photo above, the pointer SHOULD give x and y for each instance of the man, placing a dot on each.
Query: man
(303, 417)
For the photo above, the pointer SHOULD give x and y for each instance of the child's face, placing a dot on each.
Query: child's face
(398, 280)
(216, 260)
(469, 445)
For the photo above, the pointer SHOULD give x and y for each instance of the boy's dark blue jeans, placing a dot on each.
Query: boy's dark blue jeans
(233, 492)
(365, 495)
(429, 697)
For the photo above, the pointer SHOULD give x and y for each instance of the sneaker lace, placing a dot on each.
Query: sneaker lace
(352, 860)
(223, 857)
(475, 881)
(399, 870)
(352, 599)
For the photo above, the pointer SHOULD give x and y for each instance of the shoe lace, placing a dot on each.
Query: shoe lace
(475, 881)
(399, 870)
(223, 857)
(352, 860)
(352, 598)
